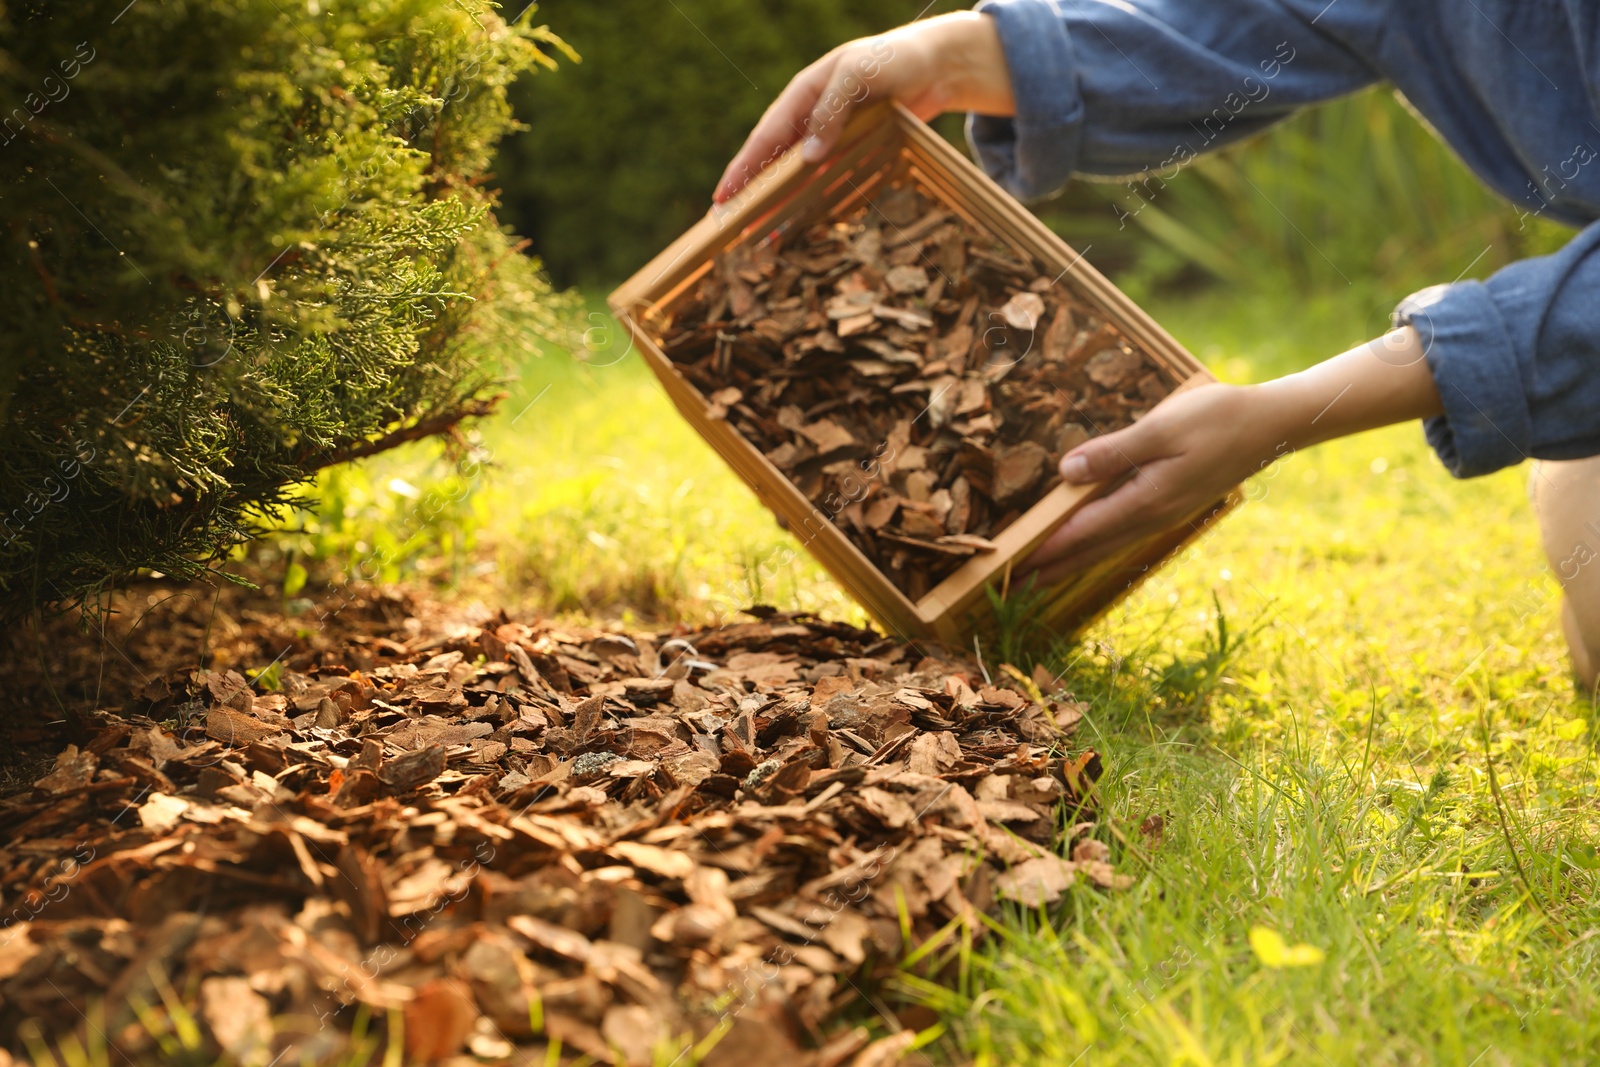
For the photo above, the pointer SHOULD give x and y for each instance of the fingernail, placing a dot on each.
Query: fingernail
(812, 151)
(1075, 469)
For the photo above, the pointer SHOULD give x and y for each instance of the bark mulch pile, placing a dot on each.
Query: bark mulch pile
(910, 375)
(726, 832)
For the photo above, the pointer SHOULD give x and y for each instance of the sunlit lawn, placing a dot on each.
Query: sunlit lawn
(1321, 769)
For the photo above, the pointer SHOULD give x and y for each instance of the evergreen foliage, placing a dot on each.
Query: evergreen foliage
(245, 239)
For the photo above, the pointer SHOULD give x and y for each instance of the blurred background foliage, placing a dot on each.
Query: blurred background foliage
(623, 150)
(1355, 194)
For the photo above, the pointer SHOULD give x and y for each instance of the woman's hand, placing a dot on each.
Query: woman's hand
(1186, 453)
(950, 63)
(1196, 445)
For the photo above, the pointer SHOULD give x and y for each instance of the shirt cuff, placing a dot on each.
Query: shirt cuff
(1032, 154)
(1486, 424)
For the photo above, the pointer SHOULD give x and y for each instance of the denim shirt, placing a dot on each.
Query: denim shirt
(1113, 87)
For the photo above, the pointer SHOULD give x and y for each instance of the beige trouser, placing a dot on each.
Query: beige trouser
(1566, 496)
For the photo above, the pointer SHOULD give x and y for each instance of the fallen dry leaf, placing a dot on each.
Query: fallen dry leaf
(1037, 881)
(886, 1051)
(239, 1018)
(438, 1020)
(633, 1031)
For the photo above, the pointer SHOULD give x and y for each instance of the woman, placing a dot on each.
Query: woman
(1502, 371)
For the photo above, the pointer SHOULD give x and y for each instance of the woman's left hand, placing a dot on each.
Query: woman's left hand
(1186, 453)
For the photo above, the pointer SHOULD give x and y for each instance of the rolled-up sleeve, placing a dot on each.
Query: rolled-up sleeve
(1115, 87)
(1033, 153)
(1517, 361)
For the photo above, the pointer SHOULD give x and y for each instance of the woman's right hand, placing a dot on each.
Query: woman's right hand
(949, 63)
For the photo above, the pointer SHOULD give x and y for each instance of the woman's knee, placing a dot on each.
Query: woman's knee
(1566, 497)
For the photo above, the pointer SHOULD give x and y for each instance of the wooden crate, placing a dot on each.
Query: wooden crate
(883, 144)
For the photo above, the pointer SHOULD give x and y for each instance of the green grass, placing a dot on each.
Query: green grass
(1326, 777)
(1303, 698)
(587, 495)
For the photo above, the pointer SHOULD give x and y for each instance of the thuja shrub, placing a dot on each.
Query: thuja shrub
(245, 240)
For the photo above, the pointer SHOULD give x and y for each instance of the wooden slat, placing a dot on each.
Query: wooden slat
(796, 212)
(789, 181)
(1069, 615)
(956, 595)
